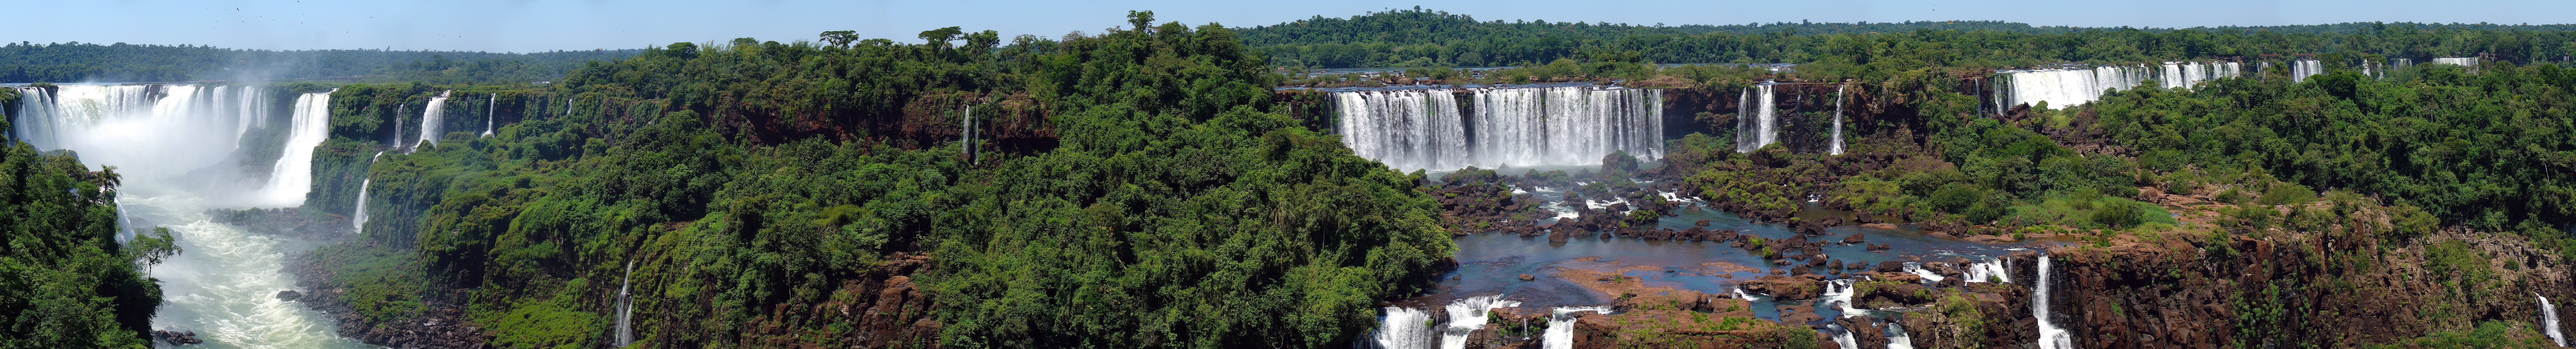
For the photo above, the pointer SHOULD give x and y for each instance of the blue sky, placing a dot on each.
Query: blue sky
(538, 25)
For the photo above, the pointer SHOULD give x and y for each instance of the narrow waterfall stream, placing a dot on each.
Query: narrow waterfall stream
(2549, 320)
(1838, 121)
(431, 117)
(490, 107)
(1560, 326)
(2050, 336)
(1764, 127)
(173, 143)
(358, 217)
(626, 307)
(1896, 337)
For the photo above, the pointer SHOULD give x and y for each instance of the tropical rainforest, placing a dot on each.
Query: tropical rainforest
(1158, 185)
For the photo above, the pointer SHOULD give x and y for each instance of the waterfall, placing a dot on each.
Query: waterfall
(2463, 61)
(430, 117)
(1500, 127)
(292, 177)
(626, 307)
(358, 217)
(2062, 88)
(2549, 320)
(1468, 315)
(490, 109)
(2184, 75)
(1843, 336)
(1838, 121)
(1838, 293)
(164, 138)
(1896, 337)
(2050, 337)
(1988, 270)
(1560, 326)
(2300, 70)
(1744, 129)
(1404, 328)
(1764, 127)
(1927, 274)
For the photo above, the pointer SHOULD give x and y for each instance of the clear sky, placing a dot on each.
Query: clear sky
(539, 25)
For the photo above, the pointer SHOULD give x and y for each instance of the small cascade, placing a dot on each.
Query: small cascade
(1560, 326)
(2549, 320)
(1896, 337)
(626, 307)
(124, 226)
(358, 217)
(1838, 121)
(2050, 337)
(1763, 128)
(1989, 270)
(1838, 293)
(1843, 336)
(1468, 315)
(292, 176)
(1404, 328)
(1439, 129)
(1927, 274)
(431, 116)
(490, 108)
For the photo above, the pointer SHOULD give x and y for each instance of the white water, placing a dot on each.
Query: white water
(1560, 326)
(1838, 121)
(2466, 61)
(489, 107)
(1838, 293)
(1404, 328)
(292, 177)
(2061, 88)
(1843, 337)
(358, 217)
(2549, 320)
(165, 139)
(430, 117)
(2050, 337)
(1989, 270)
(2300, 70)
(626, 307)
(1927, 274)
(2184, 75)
(1468, 315)
(1503, 127)
(1897, 339)
(1763, 127)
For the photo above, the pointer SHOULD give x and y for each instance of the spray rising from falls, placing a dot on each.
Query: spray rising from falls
(176, 146)
(1764, 127)
(431, 116)
(2050, 337)
(2549, 321)
(1498, 127)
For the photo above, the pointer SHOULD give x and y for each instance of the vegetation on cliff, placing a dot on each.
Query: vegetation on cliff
(65, 280)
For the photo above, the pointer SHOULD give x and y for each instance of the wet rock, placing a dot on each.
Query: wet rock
(1853, 239)
(1527, 277)
(289, 295)
(1700, 222)
(177, 338)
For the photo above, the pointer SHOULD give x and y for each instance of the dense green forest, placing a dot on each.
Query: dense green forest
(65, 281)
(24, 62)
(1137, 189)
(1423, 38)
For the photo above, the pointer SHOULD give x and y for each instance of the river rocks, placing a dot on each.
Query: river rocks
(1853, 239)
(289, 295)
(1527, 277)
(177, 338)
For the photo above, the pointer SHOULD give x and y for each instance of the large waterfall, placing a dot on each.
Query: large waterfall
(430, 118)
(1757, 119)
(178, 146)
(2549, 320)
(1497, 127)
(2050, 336)
(2062, 88)
(2300, 70)
(1404, 328)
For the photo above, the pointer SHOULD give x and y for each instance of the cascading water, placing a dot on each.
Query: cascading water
(1560, 326)
(2300, 70)
(1763, 128)
(1501, 127)
(1928, 275)
(489, 109)
(1838, 121)
(1843, 337)
(2549, 320)
(358, 217)
(2061, 88)
(2050, 337)
(431, 116)
(1897, 339)
(2466, 61)
(1989, 270)
(626, 307)
(2184, 75)
(162, 137)
(292, 177)
(1468, 315)
(1404, 328)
